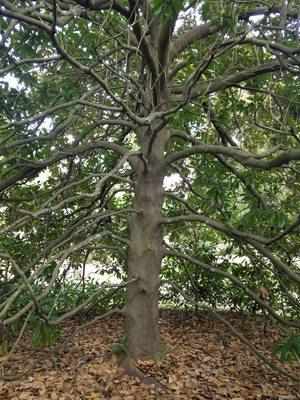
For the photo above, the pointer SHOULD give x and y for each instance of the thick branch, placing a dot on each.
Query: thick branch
(215, 225)
(241, 156)
(199, 32)
(227, 164)
(256, 241)
(213, 86)
(33, 168)
(18, 63)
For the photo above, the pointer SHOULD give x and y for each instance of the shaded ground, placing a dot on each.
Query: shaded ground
(203, 362)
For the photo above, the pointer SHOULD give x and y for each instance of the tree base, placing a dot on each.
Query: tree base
(130, 368)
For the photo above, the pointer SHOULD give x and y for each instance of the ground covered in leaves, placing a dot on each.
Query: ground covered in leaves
(203, 362)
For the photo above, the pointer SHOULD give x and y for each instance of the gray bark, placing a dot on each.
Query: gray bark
(145, 256)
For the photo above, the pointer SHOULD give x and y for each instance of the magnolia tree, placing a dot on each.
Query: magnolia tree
(115, 96)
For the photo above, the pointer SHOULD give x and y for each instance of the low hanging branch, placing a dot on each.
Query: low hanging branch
(237, 282)
(60, 346)
(256, 241)
(237, 334)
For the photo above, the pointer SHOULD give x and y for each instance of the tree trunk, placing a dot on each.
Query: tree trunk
(144, 261)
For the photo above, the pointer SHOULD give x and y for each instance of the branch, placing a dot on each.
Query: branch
(215, 225)
(227, 164)
(199, 32)
(61, 256)
(163, 47)
(274, 9)
(90, 299)
(22, 330)
(39, 116)
(18, 63)
(235, 333)
(35, 301)
(214, 86)
(284, 233)
(267, 44)
(62, 344)
(33, 168)
(240, 155)
(61, 241)
(255, 241)
(97, 5)
(237, 282)
(24, 18)
(219, 127)
(141, 38)
(275, 261)
(88, 70)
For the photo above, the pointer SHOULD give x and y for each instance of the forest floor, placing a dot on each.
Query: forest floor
(203, 362)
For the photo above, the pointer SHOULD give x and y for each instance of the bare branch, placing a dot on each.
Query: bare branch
(236, 333)
(215, 225)
(199, 32)
(240, 155)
